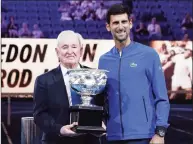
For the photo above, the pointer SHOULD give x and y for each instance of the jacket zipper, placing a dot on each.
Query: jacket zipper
(145, 109)
(120, 99)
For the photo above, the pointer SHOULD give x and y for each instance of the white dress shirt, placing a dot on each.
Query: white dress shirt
(66, 81)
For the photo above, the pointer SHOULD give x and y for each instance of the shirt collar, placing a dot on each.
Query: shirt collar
(65, 70)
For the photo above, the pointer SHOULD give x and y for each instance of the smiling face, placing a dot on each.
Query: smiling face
(119, 27)
(69, 49)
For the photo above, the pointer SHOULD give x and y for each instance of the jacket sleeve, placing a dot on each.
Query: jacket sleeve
(41, 116)
(102, 98)
(160, 92)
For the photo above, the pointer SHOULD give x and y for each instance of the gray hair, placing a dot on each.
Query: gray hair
(66, 33)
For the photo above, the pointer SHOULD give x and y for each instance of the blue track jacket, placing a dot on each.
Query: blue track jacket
(136, 92)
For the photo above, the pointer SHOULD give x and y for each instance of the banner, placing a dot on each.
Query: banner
(23, 60)
(176, 60)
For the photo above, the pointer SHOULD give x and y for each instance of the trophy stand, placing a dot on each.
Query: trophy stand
(88, 116)
(87, 83)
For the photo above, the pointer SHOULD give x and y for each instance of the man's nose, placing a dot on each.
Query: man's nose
(120, 26)
(69, 50)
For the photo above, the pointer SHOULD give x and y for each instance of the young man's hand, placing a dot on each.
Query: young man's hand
(157, 140)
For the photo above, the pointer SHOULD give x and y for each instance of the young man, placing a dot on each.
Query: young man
(136, 91)
(53, 95)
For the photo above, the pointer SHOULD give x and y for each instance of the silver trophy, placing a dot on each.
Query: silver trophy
(88, 83)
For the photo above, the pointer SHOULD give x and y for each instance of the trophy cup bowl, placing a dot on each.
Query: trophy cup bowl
(88, 83)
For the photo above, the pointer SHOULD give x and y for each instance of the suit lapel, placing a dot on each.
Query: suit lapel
(59, 84)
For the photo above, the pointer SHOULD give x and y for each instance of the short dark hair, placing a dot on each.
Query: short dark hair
(116, 9)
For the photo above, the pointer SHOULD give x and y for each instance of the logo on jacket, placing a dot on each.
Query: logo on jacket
(133, 64)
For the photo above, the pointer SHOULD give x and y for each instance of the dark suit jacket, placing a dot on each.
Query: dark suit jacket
(51, 106)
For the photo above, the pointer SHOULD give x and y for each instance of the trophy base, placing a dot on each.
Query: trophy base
(89, 129)
(81, 107)
(89, 119)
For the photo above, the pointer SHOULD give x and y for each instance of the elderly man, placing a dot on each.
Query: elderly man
(53, 96)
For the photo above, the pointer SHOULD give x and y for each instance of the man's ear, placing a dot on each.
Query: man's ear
(108, 27)
(56, 50)
(130, 24)
(81, 50)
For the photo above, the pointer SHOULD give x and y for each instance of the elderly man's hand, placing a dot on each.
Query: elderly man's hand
(67, 130)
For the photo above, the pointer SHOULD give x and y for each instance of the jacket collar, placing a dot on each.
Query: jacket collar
(125, 50)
